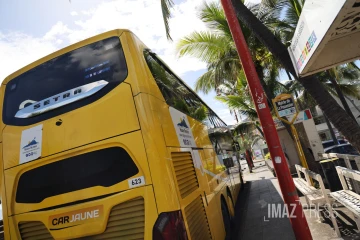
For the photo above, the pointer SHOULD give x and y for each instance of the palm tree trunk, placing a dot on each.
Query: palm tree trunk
(340, 95)
(236, 117)
(332, 133)
(260, 130)
(296, 94)
(354, 65)
(352, 102)
(337, 115)
(299, 102)
(289, 76)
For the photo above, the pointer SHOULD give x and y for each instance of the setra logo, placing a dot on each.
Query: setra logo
(77, 217)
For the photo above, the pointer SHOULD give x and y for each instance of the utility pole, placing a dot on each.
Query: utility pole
(291, 199)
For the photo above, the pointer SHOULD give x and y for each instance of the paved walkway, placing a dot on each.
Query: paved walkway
(251, 220)
(251, 212)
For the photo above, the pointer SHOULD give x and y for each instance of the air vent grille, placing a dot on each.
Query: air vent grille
(185, 172)
(34, 231)
(197, 220)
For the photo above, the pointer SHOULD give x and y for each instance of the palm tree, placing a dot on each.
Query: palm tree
(285, 28)
(216, 47)
(278, 50)
(166, 6)
(347, 83)
(337, 74)
(245, 135)
(338, 116)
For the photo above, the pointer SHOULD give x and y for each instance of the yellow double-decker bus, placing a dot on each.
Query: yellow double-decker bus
(101, 140)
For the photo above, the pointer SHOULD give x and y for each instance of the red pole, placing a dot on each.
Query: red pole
(291, 199)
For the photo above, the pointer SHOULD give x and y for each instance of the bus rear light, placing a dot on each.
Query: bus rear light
(170, 225)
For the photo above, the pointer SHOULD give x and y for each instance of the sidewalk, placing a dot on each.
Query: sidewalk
(251, 211)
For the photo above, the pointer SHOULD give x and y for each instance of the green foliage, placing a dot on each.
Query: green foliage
(199, 113)
(216, 47)
(224, 74)
(166, 5)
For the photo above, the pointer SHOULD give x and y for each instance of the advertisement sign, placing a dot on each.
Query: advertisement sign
(326, 35)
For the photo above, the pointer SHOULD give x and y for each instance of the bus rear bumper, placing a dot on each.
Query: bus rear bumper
(119, 215)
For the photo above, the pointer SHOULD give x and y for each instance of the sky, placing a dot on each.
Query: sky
(33, 29)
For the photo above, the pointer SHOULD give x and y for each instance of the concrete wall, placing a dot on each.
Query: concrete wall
(289, 149)
(307, 130)
(314, 138)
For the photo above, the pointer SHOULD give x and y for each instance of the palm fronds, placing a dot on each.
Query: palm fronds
(166, 6)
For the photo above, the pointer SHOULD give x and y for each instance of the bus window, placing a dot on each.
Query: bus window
(103, 60)
(176, 94)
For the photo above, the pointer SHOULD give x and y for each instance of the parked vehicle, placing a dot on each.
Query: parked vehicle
(127, 178)
(342, 149)
(329, 143)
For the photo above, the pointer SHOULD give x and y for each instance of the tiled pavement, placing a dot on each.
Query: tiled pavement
(251, 212)
(251, 220)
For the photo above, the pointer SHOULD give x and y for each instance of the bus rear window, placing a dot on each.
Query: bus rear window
(102, 61)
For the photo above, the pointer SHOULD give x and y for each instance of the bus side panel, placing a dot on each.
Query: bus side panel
(141, 81)
(150, 106)
(214, 170)
(214, 214)
(150, 111)
(158, 133)
(213, 208)
(4, 201)
(200, 133)
(191, 191)
(2, 94)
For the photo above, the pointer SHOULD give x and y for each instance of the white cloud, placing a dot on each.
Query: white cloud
(18, 50)
(86, 12)
(252, 1)
(57, 31)
(74, 13)
(146, 22)
(225, 115)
